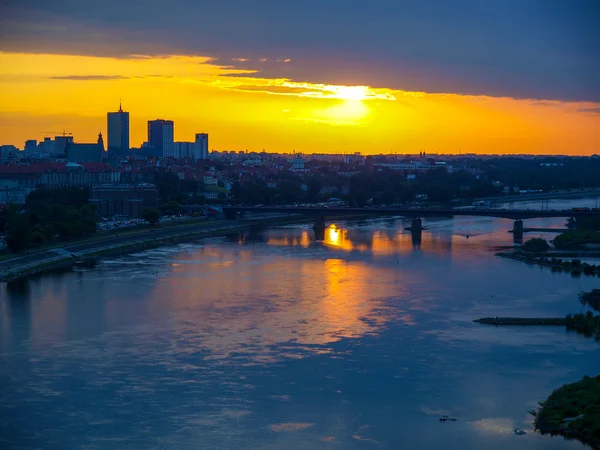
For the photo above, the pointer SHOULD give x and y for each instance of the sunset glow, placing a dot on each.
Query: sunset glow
(242, 110)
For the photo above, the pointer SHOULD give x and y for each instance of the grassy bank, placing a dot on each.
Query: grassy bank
(572, 411)
(574, 266)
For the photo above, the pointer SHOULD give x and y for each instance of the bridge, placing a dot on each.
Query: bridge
(320, 213)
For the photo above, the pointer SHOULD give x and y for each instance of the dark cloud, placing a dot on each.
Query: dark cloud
(89, 77)
(592, 110)
(543, 49)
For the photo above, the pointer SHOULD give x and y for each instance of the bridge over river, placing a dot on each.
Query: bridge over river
(320, 213)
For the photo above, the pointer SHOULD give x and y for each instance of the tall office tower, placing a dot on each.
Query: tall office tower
(160, 137)
(118, 132)
(201, 146)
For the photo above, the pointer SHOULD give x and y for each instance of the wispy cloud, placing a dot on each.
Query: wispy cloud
(89, 77)
(592, 110)
(314, 90)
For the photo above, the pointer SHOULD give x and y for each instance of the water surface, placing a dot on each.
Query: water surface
(270, 340)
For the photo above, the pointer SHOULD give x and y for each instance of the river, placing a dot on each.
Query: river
(270, 340)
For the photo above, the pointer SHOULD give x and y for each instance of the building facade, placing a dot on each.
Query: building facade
(160, 136)
(61, 144)
(86, 152)
(184, 149)
(84, 174)
(201, 146)
(117, 124)
(124, 199)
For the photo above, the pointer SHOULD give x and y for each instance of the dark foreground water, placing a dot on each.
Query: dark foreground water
(270, 340)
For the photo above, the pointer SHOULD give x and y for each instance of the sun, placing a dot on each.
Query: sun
(351, 93)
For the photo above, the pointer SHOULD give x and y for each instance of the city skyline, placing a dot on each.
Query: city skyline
(507, 79)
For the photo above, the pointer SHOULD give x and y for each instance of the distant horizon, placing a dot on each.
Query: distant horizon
(507, 78)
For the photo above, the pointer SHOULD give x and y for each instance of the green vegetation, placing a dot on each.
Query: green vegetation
(49, 214)
(591, 299)
(572, 411)
(171, 207)
(586, 324)
(536, 245)
(561, 174)
(575, 266)
(18, 232)
(574, 239)
(151, 215)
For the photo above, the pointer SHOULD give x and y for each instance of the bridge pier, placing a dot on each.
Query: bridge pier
(319, 228)
(416, 239)
(518, 229)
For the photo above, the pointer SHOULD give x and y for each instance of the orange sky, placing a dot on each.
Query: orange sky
(40, 93)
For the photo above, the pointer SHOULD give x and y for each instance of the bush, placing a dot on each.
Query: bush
(37, 238)
(536, 245)
(576, 239)
(18, 233)
(151, 215)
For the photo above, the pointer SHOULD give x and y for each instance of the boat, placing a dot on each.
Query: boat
(446, 418)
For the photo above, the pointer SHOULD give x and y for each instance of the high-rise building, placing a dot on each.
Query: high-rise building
(201, 146)
(160, 137)
(118, 132)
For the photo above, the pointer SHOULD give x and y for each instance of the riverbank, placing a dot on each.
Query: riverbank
(543, 196)
(66, 256)
(522, 321)
(572, 410)
(555, 262)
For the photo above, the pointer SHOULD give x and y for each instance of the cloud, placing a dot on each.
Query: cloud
(92, 77)
(282, 90)
(505, 48)
(595, 110)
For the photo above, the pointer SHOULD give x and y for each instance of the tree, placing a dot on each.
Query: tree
(151, 215)
(536, 245)
(172, 207)
(37, 238)
(18, 233)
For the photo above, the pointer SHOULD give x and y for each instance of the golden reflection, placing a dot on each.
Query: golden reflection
(276, 307)
(334, 236)
(290, 241)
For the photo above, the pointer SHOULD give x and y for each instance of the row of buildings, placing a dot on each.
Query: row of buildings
(160, 144)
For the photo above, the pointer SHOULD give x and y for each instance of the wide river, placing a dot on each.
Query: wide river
(269, 339)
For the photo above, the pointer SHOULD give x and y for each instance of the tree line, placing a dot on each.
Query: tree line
(49, 215)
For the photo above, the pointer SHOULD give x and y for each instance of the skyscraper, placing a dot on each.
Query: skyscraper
(201, 146)
(160, 136)
(118, 132)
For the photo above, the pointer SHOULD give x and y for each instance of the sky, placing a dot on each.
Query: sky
(384, 76)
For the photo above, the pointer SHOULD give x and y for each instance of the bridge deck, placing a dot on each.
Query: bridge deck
(418, 212)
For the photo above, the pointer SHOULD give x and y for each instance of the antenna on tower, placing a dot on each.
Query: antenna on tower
(120, 107)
